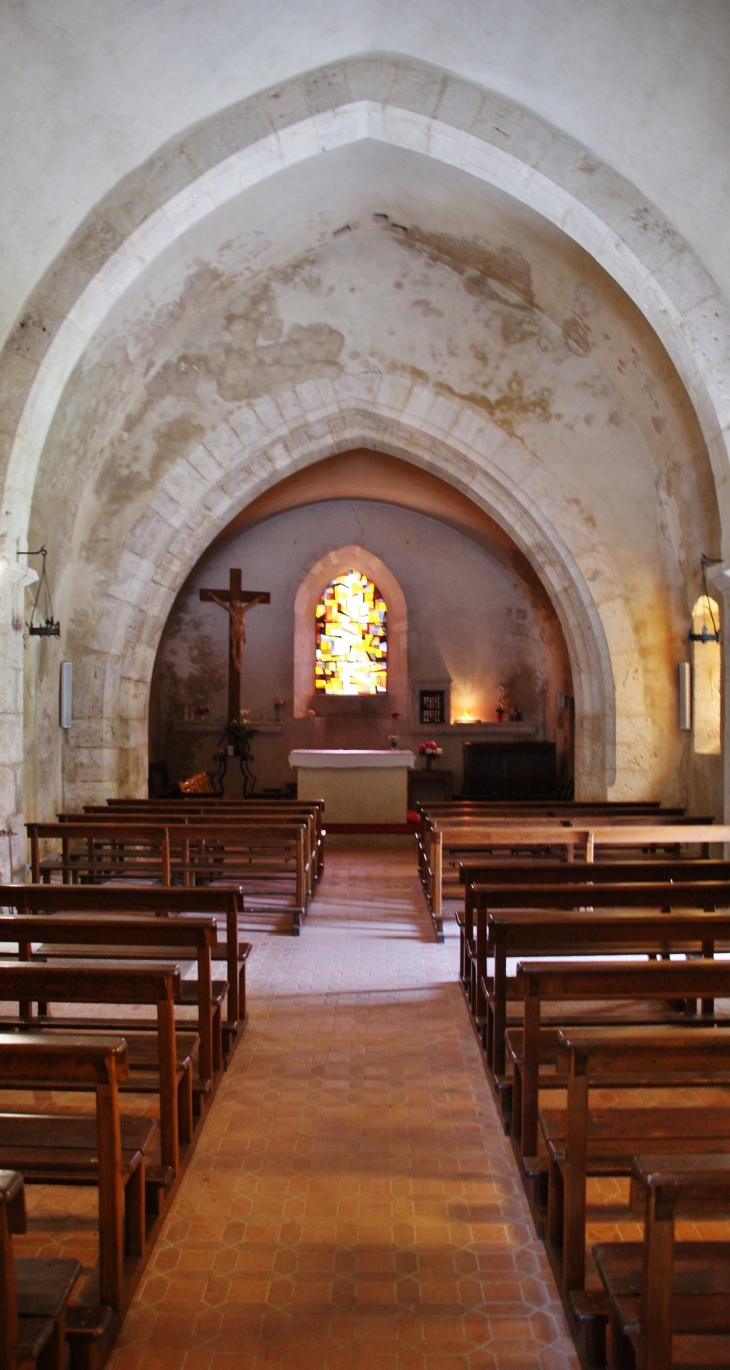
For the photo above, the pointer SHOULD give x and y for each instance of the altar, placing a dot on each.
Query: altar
(356, 786)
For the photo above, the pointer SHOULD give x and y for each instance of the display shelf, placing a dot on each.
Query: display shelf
(203, 726)
(481, 730)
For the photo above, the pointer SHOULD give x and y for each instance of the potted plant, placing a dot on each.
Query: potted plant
(242, 732)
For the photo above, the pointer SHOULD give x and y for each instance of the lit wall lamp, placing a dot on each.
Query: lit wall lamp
(706, 635)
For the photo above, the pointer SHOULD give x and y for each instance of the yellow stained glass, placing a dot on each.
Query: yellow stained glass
(352, 646)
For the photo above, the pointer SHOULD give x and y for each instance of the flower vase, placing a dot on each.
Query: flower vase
(429, 761)
(394, 744)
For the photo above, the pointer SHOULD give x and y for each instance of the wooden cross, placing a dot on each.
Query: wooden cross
(236, 603)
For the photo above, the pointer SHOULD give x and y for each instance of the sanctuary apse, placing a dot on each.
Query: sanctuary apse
(463, 619)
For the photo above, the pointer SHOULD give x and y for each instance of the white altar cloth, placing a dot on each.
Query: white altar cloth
(360, 787)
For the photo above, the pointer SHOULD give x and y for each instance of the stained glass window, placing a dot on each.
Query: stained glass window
(352, 648)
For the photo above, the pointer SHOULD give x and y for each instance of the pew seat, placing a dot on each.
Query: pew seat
(660, 1287)
(34, 1291)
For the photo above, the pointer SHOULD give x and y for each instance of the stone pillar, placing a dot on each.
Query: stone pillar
(14, 577)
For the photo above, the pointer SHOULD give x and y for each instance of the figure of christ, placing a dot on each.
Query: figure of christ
(237, 629)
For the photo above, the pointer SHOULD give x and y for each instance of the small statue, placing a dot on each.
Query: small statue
(237, 630)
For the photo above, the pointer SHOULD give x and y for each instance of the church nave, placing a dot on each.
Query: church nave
(353, 1201)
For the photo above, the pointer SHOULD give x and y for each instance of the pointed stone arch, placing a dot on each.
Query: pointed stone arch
(438, 115)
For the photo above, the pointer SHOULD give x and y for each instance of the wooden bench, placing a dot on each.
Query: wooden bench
(478, 880)
(140, 938)
(604, 1142)
(496, 939)
(660, 1287)
(458, 815)
(125, 850)
(34, 1292)
(188, 854)
(83, 982)
(312, 809)
(269, 860)
(142, 900)
(226, 816)
(548, 839)
(105, 1151)
(588, 982)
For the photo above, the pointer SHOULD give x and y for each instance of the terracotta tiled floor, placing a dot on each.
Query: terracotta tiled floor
(352, 1201)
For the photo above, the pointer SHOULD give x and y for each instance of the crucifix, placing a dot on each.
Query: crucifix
(236, 603)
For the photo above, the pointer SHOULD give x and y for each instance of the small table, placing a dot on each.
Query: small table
(429, 787)
(357, 786)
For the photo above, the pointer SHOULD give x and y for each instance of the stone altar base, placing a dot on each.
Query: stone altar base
(360, 787)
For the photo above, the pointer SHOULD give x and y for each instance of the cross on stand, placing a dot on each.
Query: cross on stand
(236, 603)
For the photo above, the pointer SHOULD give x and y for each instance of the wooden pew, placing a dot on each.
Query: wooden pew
(119, 939)
(660, 1287)
(548, 839)
(146, 899)
(189, 854)
(582, 1143)
(228, 815)
(83, 982)
(105, 1151)
(129, 850)
(592, 982)
(479, 880)
(254, 854)
(312, 809)
(34, 1292)
(705, 896)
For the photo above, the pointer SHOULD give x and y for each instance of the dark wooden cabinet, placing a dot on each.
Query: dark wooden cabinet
(509, 770)
(429, 787)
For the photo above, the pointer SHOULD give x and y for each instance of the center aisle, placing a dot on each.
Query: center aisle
(352, 1201)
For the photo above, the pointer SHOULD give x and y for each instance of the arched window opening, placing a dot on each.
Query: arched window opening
(351, 655)
(706, 677)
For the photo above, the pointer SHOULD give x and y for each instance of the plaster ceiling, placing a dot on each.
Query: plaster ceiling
(357, 264)
(89, 90)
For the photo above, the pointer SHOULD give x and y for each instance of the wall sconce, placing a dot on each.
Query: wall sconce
(706, 635)
(50, 626)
